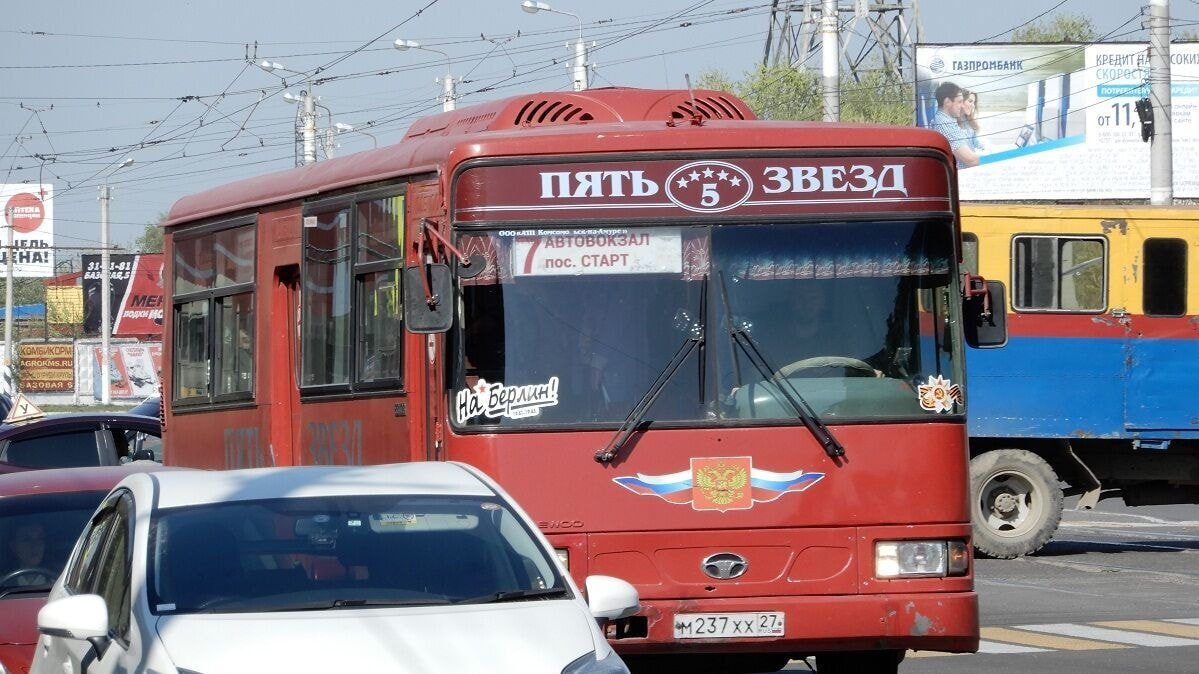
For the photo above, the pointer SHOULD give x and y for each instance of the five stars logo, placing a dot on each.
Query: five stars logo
(709, 186)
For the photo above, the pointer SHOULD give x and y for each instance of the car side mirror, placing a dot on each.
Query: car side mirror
(81, 616)
(611, 598)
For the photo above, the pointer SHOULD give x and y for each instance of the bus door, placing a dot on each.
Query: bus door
(283, 429)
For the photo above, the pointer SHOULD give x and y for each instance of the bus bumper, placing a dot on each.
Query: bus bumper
(920, 621)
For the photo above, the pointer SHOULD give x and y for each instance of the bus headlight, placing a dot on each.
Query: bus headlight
(563, 556)
(915, 559)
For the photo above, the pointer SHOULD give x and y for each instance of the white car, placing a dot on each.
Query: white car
(404, 568)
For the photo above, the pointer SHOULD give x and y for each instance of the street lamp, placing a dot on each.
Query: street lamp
(448, 94)
(342, 127)
(307, 104)
(579, 67)
(105, 288)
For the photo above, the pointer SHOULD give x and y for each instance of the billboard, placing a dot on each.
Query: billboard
(132, 370)
(1059, 121)
(135, 294)
(47, 367)
(29, 211)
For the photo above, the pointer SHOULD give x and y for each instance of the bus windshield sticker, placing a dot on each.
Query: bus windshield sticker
(581, 252)
(495, 400)
(939, 394)
(719, 483)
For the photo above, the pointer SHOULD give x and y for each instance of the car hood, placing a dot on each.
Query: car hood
(526, 637)
(18, 619)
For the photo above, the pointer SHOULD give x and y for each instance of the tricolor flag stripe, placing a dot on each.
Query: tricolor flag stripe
(643, 486)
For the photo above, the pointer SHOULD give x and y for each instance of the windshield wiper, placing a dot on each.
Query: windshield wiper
(515, 595)
(694, 339)
(741, 337)
(351, 603)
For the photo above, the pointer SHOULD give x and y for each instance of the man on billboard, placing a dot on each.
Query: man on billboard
(950, 99)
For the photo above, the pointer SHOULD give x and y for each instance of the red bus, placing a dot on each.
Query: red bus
(719, 357)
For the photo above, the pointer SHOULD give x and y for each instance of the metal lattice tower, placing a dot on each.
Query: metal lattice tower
(873, 35)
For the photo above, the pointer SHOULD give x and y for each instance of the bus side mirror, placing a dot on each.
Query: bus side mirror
(984, 313)
(428, 311)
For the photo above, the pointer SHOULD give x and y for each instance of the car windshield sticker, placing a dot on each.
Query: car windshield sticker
(939, 394)
(720, 483)
(395, 519)
(495, 400)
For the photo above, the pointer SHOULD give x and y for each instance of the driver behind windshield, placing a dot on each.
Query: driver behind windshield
(799, 335)
(25, 549)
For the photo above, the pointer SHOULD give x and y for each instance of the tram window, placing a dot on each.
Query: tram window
(236, 351)
(213, 299)
(1058, 274)
(1165, 274)
(380, 333)
(191, 350)
(351, 323)
(326, 299)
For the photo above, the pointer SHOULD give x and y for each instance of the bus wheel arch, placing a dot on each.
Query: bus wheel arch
(1015, 502)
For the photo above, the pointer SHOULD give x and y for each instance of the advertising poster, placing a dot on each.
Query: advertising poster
(133, 370)
(1060, 121)
(29, 210)
(47, 368)
(136, 296)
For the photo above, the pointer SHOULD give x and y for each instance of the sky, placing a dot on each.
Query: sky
(174, 86)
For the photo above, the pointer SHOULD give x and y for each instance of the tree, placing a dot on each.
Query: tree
(150, 240)
(878, 98)
(1060, 28)
(773, 92)
(784, 92)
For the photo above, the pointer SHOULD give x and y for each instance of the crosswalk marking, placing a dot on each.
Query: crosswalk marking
(1098, 635)
(1106, 634)
(1155, 626)
(1041, 641)
(996, 647)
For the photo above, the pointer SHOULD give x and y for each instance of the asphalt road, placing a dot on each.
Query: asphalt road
(1117, 590)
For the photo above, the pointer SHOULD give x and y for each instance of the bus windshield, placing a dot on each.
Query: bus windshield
(572, 327)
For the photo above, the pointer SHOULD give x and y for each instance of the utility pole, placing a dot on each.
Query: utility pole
(308, 126)
(1161, 157)
(105, 299)
(8, 299)
(106, 291)
(830, 61)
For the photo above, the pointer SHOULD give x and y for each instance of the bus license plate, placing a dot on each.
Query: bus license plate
(727, 625)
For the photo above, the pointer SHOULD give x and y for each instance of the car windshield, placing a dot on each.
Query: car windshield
(325, 553)
(37, 533)
(568, 327)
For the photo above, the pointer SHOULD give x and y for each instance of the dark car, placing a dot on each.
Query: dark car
(150, 407)
(42, 513)
(81, 439)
